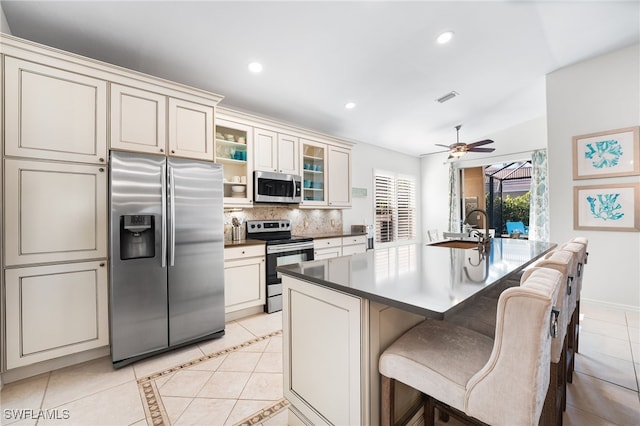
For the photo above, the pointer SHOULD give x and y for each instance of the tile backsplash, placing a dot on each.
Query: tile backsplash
(303, 221)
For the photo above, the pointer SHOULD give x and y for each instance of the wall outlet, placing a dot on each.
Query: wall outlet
(333, 223)
(305, 224)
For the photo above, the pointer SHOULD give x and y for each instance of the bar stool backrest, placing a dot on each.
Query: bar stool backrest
(580, 252)
(511, 388)
(561, 261)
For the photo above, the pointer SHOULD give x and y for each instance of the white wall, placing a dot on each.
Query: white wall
(596, 95)
(4, 25)
(366, 158)
(511, 144)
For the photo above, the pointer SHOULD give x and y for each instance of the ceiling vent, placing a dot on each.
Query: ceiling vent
(447, 97)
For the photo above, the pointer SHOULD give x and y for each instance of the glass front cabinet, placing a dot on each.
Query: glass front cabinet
(313, 165)
(234, 151)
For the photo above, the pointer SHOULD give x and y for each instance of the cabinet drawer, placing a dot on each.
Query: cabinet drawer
(358, 239)
(353, 249)
(327, 242)
(243, 252)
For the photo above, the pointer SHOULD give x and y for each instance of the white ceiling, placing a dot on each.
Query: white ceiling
(319, 55)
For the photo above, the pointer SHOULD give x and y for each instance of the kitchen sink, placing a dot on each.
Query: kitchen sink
(461, 244)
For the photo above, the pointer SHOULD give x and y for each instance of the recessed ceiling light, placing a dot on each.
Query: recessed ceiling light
(445, 37)
(350, 105)
(255, 67)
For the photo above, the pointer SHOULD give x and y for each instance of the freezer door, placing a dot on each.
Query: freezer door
(138, 281)
(196, 250)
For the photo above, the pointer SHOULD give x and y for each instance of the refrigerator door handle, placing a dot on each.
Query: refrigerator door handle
(172, 220)
(164, 216)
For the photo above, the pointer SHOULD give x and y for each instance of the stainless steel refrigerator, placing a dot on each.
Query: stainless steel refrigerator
(166, 274)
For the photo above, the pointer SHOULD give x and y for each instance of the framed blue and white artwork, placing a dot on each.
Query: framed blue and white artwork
(607, 154)
(613, 207)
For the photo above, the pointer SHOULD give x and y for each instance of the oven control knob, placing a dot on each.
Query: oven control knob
(259, 226)
(253, 226)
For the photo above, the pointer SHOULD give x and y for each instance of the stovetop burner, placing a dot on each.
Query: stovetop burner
(273, 231)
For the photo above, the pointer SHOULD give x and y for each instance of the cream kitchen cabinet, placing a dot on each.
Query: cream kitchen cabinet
(326, 248)
(54, 114)
(276, 152)
(54, 212)
(339, 177)
(244, 277)
(325, 389)
(139, 123)
(314, 173)
(55, 310)
(326, 175)
(234, 143)
(138, 120)
(190, 129)
(353, 245)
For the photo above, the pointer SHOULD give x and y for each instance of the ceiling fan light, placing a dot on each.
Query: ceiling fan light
(458, 154)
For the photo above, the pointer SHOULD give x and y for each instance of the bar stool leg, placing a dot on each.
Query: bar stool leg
(387, 400)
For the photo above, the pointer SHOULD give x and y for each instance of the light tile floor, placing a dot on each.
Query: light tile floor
(228, 387)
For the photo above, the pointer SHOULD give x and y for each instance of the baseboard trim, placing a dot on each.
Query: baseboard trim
(53, 364)
(617, 306)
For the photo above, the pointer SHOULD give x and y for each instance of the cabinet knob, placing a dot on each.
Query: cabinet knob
(161, 150)
(242, 251)
(172, 151)
(101, 169)
(101, 160)
(102, 264)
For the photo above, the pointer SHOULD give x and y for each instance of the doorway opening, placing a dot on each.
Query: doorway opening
(503, 190)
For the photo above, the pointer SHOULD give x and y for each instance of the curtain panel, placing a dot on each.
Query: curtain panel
(539, 200)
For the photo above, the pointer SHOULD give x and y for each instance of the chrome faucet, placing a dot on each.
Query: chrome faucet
(484, 239)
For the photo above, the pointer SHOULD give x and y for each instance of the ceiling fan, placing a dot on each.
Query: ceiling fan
(458, 149)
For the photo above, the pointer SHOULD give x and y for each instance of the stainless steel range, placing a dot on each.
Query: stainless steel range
(281, 249)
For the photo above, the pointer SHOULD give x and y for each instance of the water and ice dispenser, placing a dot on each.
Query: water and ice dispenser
(137, 236)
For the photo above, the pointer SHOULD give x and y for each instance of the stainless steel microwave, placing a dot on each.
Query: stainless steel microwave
(272, 187)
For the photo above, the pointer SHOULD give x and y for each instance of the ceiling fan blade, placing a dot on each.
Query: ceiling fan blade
(481, 149)
(446, 146)
(480, 143)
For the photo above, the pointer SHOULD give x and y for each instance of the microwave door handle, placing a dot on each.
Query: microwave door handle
(164, 215)
(293, 187)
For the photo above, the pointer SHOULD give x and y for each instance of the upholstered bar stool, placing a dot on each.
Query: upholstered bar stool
(561, 261)
(578, 251)
(476, 379)
(585, 243)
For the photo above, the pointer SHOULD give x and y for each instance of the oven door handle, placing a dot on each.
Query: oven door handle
(282, 248)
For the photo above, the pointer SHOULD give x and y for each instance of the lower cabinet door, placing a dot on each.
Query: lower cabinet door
(55, 310)
(244, 283)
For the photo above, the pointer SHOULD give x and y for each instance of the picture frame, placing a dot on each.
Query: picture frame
(614, 207)
(607, 154)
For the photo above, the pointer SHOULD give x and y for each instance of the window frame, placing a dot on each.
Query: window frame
(400, 202)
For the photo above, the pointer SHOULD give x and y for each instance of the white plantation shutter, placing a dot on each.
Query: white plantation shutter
(406, 208)
(395, 207)
(385, 205)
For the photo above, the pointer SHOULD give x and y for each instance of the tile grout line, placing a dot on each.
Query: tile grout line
(633, 360)
(44, 394)
(152, 402)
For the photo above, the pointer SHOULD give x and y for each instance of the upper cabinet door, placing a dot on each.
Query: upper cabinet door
(265, 146)
(190, 130)
(138, 120)
(288, 154)
(339, 177)
(54, 114)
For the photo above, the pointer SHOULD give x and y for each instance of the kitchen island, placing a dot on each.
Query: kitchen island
(340, 314)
